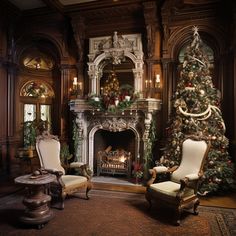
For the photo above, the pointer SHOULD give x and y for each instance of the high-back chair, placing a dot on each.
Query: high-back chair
(48, 149)
(180, 191)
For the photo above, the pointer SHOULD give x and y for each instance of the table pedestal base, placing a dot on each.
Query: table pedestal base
(37, 211)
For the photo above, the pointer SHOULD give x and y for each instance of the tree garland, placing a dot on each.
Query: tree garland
(207, 112)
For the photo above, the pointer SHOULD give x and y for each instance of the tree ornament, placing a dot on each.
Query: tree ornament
(202, 92)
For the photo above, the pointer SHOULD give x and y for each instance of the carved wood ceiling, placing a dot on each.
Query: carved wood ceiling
(64, 6)
(33, 4)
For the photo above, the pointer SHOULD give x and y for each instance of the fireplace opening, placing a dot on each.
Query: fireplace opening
(116, 149)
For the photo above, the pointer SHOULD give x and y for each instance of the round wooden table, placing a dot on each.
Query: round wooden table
(37, 210)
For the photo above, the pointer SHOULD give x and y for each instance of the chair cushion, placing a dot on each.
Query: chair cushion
(169, 188)
(72, 180)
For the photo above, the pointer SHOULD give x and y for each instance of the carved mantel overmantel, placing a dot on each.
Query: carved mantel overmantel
(114, 49)
(136, 118)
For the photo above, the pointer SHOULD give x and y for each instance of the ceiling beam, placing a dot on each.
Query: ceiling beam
(55, 5)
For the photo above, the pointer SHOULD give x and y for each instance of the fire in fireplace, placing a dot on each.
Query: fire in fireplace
(114, 152)
(114, 162)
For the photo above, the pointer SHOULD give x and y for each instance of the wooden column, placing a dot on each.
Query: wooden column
(153, 33)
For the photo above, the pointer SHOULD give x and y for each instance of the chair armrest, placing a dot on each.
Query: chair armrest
(187, 181)
(172, 169)
(160, 169)
(183, 184)
(58, 174)
(83, 169)
(76, 164)
(55, 172)
(153, 177)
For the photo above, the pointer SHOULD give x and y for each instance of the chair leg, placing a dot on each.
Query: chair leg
(149, 199)
(195, 206)
(177, 216)
(61, 200)
(89, 187)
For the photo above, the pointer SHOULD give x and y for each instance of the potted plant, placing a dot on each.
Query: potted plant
(31, 129)
(65, 155)
(29, 134)
(137, 172)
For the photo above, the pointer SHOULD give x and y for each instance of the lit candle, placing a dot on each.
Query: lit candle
(146, 83)
(75, 81)
(158, 78)
(158, 81)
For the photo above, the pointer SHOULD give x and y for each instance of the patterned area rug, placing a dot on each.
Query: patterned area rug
(115, 213)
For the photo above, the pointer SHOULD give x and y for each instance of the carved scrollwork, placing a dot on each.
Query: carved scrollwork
(115, 124)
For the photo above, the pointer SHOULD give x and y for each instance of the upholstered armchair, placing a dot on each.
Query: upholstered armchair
(180, 190)
(48, 149)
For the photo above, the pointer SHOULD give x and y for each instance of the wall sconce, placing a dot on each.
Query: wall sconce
(76, 88)
(157, 81)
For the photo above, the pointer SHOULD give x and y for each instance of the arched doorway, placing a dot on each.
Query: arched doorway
(36, 93)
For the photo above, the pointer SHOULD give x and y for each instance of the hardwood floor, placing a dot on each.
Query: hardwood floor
(7, 186)
(227, 201)
(110, 183)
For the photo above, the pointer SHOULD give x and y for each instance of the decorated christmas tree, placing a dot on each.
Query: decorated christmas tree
(196, 110)
(111, 86)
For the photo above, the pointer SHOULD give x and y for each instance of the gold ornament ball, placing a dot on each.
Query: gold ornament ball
(202, 92)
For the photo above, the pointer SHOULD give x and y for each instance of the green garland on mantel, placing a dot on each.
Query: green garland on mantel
(112, 103)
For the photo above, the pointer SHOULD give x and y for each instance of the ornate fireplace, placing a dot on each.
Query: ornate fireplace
(124, 129)
(127, 130)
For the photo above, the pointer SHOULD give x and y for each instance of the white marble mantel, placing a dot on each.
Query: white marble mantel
(137, 118)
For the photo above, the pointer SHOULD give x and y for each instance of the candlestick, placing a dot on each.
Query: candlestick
(146, 83)
(80, 85)
(150, 83)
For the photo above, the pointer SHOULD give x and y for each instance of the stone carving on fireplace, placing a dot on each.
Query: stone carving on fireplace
(115, 124)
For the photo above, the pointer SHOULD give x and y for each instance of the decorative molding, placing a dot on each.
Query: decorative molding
(104, 50)
(115, 124)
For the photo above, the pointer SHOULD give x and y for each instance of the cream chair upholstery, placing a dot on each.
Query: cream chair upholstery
(48, 149)
(180, 191)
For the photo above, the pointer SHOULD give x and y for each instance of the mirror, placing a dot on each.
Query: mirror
(123, 73)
